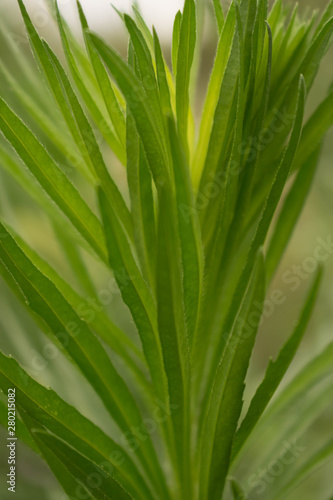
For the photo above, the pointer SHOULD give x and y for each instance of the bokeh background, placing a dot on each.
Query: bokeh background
(19, 334)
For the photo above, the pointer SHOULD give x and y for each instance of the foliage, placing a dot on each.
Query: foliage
(191, 240)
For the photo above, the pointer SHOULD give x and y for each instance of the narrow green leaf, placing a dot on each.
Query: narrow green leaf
(47, 68)
(284, 95)
(219, 15)
(135, 292)
(273, 197)
(92, 477)
(139, 106)
(212, 97)
(162, 77)
(69, 483)
(137, 297)
(311, 405)
(284, 50)
(63, 420)
(92, 147)
(276, 371)
(74, 257)
(175, 41)
(308, 67)
(112, 104)
(145, 69)
(226, 394)
(290, 213)
(142, 202)
(275, 14)
(51, 178)
(312, 373)
(172, 333)
(250, 167)
(187, 39)
(226, 92)
(259, 238)
(249, 32)
(328, 14)
(94, 109)
(316, 372)
(98, 321)
(237, 490)
(27, 71)
(314, 130)
(44, 121)
(144, 28)
(190, 238)
(79, 125)
(79, 342)
(322, 42)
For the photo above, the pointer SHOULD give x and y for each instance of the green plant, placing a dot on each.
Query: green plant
(186, 248)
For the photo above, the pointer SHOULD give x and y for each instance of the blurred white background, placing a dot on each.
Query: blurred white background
(100, 13)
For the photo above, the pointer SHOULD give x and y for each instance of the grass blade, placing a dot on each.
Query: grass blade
(314, 130)
(139, 106)
(237, 490)
(226, 92)
(290, 213)
(172, 333)
(43, 121)
(135, 292)
(97, 320)
(164, 89)
(258, 240)
(110, 99)
(103, 488)
(276, 370)
(68, 482)
(187, 39)
(144, 28)
(92, 147)
(48, 70)
(79, 125)
(142, 203)
(276, 188)
(226, 395)
(190, 237)
(219, 15)
(137, 297)
(79, 342)
(145, 69)
(94, 109)
(220, 64)
(64, 421)
(175, 41)
(53, 181)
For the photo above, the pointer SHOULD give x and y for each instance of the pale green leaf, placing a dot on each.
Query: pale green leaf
(187, 39)
(51, 178)
(276, 370)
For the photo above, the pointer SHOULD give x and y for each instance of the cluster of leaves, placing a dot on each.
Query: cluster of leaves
(186, 250)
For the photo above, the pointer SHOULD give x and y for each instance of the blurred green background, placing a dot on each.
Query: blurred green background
(21, 337)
